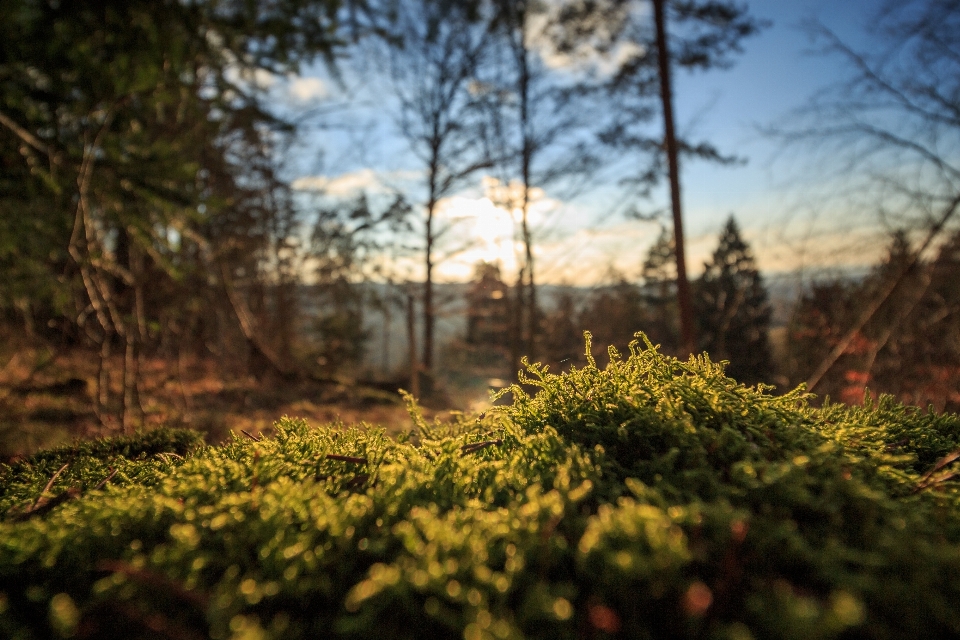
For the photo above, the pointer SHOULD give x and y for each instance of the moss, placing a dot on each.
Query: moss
(651, 498)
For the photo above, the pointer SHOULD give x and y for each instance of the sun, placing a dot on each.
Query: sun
(482, 232)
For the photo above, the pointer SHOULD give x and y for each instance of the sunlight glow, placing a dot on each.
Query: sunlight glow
(483, 232)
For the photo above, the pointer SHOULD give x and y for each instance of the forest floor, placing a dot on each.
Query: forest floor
(48, 397)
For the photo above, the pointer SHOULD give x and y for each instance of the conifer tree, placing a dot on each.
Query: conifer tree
(659, 293)
(733, 311)
(488, 308)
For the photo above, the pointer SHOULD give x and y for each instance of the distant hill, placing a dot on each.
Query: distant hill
(387, 348)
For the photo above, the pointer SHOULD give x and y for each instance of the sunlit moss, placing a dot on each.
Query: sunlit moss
(652, 498)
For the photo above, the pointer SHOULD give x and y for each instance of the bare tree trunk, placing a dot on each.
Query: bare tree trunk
(187, 406)
(242, 313)
(529, 332)
(386, 340)
(516, 322)
(82, 239)
(103, 381)
(412, 346)
(129, 383)
(525, 161)
(687, 331)
(428, 310)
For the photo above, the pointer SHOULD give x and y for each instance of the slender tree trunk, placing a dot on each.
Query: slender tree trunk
(516, 322)
(530, 285)
(428, 307)
(687, 332)
(386, 340)
(130, 375)
(103, 380)
(529, 332)
(412, 344)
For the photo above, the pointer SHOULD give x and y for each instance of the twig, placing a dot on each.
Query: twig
(929, 479)
(356, 481)
(154, 579)
(477, 446)
(26, 136)
(250, 435)
(353, 459)
(49, 485)
(45, 505)
(896, 445)
(103, 483)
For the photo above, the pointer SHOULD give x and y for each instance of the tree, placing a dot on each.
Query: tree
(538, 118)
(140, 191)
(488, 309)
(659, 293)
(562, 333)
(908, 348)
(615, 312)
(733, 311)
(347, 248)
(438, 46)
(892, 128)
(706, 34)
(821, 312)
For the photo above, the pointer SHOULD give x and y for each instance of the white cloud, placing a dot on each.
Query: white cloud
(307, 89)
(343, 185)
(352, 183)
(584, 59)
(255, 78)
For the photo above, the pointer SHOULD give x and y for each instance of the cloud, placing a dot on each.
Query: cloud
(343, 185)
(584, 60)
(352, 183)
(307, 89)
(254, 78)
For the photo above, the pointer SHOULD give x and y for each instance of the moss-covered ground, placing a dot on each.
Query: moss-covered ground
(652, 498)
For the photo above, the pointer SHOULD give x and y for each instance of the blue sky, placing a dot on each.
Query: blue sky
(578, 242)
(778, 71)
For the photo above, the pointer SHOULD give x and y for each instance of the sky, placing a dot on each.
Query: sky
(579, 241)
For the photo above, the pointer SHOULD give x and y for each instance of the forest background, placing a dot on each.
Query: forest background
(214, 213)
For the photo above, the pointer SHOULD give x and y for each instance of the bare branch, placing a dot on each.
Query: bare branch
(871, 309)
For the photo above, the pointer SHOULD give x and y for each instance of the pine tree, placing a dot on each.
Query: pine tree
(733, 311)
(659, 288)
(615, 312)
(488, 308)
(562, 333)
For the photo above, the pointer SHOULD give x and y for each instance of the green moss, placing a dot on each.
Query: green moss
(138, 459)
(653, 498)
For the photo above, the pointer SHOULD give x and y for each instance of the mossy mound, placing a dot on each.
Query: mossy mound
(653, 498)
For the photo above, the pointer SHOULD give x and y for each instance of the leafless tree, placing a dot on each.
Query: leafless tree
(435, 49)
(540, 125)
(891, 128)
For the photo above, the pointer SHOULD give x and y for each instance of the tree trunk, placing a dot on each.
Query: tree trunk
(428, 310)
(529, 332)
(687, 332)
(412, 344)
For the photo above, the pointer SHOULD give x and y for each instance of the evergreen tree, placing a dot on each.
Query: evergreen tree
(659, 288)
(823, 311)
(488, 308)
(615, 312)
(732, 309)
(562, 334)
